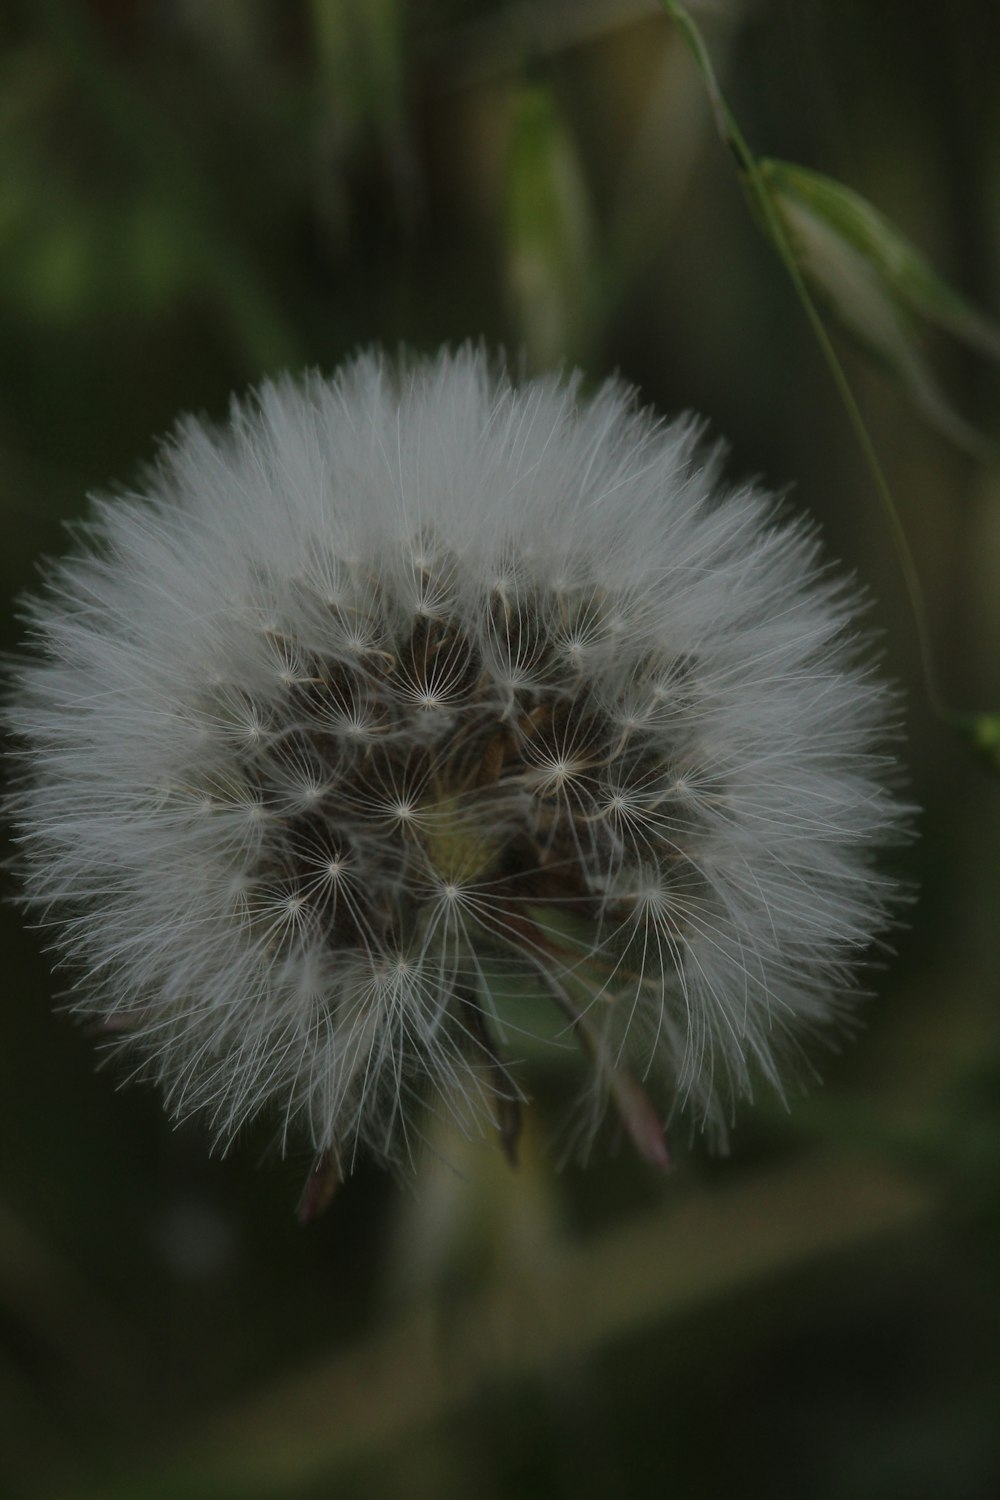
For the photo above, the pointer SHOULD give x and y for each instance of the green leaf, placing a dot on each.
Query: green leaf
(879, 286)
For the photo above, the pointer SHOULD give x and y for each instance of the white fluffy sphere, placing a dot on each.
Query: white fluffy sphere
(414, 682)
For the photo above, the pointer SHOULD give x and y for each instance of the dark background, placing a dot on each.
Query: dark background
(195, 194)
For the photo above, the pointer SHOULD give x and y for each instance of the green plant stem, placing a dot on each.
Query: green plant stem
(733, 137)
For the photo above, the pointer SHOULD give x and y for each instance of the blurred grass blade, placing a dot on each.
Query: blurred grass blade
(548, 233)
(359, 56)
(879, 286)
(170, 171)
(360, 76)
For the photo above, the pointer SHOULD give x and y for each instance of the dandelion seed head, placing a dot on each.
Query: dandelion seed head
(413, 676)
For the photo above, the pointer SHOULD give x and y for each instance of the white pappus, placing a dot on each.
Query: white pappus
(415, 683)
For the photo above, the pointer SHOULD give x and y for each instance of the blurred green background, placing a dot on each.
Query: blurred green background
(194, 193)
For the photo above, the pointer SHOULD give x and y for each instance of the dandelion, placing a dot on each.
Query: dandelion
(414, 688)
